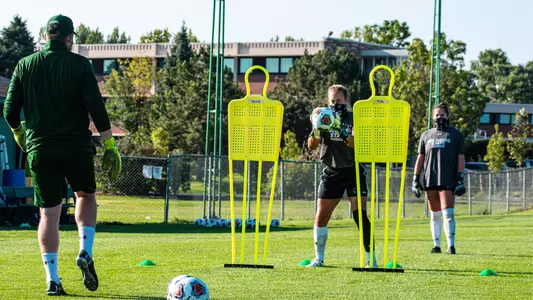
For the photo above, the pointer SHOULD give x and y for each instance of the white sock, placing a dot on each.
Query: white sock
(321, 237)
(50, 265)
(436, 227)
(449, 225)
(86, 239)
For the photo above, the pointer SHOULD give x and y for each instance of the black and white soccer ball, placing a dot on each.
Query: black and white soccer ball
(187, 287)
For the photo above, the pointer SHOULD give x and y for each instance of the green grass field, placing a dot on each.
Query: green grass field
(500, 242)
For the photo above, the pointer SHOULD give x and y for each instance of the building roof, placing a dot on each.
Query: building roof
(510, 108)
(4, 86)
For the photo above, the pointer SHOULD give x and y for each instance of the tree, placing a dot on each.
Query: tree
(16, 42)
(88, 36)
(492, 69)
(518, 146)
(519, 84)
(42, 35)
(290, 149)
(275, 39)
(118, 38)
(495, 156)
(458, 88)
(156, 36)
(181, 48)
(131, 101)
(390, 32)
(307, 84)
(192, 38)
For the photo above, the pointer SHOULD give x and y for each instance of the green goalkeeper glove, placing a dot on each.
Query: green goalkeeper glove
(20, 135)
(112, 162)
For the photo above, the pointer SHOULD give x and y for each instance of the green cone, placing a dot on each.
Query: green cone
(147, 263)
(390, 265)
(304, 262)
(488, 272)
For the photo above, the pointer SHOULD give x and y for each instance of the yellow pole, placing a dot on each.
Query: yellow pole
(232, 207)
(258, 212)
(399, 215)
(386, 230)
(372, 214)
(244, 199)
(270, 205)
(360, 216)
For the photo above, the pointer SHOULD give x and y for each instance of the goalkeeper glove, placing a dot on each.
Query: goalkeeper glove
(416, 188)
(20, 135)
(112, 162)
(460, 187)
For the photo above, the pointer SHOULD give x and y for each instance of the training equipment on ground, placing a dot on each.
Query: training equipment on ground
(250, 223)
(187, 287)
(275, 223)
(254, 134)
(323, 118)
(211, 223)
(198, 222)
(381, 133)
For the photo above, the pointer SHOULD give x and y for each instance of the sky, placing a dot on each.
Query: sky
(482, 24)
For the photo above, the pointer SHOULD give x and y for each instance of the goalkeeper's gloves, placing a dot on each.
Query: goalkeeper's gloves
(20, 135)
(460, 187)
(416, 187)
(111, 162)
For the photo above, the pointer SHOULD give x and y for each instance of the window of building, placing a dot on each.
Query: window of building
(286, 64)
(98, 66)
(245, 64)
(505, 119)
(272, 64)
(109, 66)
(485, 119)
(392, 62)
(230, 64)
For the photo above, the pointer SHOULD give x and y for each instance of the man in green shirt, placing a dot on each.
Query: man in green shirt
(57, 91)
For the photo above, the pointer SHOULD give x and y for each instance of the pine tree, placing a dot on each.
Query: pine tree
(16, 42)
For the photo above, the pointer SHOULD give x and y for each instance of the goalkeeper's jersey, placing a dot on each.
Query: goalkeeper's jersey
(57, 90)
(334, 152)
(441, 149)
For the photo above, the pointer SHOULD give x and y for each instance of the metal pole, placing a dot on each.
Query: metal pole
(430, 101)
(167, 199)
(315, 187)
(469, 194)
(524, 189)
(221, 109)
(507, 190)
(206, 170)
(282, 185)
(490, 192)
(437, 83)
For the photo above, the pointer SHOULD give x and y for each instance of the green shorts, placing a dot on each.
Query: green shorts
(51, 171)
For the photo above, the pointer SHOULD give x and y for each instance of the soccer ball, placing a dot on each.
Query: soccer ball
(198, 222)
(274, 223)
(250, 223)
(323, 118)
(221, 222)
(211, 223)
(187, 287)
(203, 222)
(227, 223)
(238, 223)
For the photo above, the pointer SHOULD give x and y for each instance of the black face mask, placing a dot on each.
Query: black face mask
(339, 108)
(441, 123)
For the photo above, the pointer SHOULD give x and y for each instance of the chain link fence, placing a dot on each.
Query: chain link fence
(178, 188)
(138, 196)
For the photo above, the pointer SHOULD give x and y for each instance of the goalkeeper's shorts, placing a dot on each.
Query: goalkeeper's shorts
(52, 170)
(335, 182)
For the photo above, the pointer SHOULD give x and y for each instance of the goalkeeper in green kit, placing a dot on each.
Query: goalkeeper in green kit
(57, 91)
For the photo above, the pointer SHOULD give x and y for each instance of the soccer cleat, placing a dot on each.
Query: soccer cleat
(315, 263)
(451, 250)
(55, 289)
(86, 265)
(436, 250)
(375, 264)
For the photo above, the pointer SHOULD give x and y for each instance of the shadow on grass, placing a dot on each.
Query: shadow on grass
(165, 228)
(466, 272)
(495, 255)
(118, 297)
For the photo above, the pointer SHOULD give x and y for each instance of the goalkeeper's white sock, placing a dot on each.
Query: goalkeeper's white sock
(449, 225)
(86, 239)
(436, 226)
(321, 237)
(50, 265)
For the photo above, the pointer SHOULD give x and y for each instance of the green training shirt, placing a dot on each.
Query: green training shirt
(57, 90)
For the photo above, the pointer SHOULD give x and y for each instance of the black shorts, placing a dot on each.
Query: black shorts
(334, 182)
(439, 188)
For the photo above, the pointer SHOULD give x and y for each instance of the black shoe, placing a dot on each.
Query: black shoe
(55, 289)
(451, 250)
(86, 265)
(436, 250)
